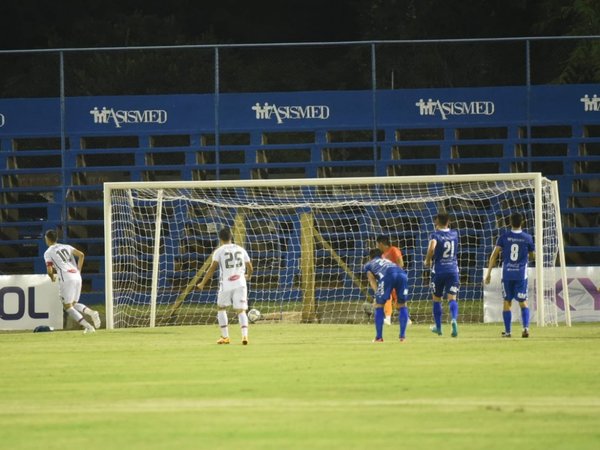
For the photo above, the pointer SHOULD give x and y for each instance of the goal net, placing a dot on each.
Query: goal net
(308, 241)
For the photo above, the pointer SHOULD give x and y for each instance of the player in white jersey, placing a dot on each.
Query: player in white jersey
(235, 269)
(60, 263)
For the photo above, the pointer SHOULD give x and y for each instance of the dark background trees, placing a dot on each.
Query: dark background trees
(71, 23)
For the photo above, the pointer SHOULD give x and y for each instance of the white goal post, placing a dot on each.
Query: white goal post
(308, 239)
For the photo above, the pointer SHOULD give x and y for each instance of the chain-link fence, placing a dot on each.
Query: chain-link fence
(299, 66)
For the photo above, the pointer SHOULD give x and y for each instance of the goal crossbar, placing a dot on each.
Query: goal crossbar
(413, 179)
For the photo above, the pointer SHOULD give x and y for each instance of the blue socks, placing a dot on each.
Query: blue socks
(403, 316)
(453, 306)
(507, 316)
(379, 316)
(525, 317)
(437, 314)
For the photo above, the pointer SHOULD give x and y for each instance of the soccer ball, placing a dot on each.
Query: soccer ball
(254, 315)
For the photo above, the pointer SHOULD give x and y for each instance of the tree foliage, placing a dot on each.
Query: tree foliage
(72, 23)
(575, 61)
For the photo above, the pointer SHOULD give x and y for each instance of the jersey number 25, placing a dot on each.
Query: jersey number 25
(233, 260)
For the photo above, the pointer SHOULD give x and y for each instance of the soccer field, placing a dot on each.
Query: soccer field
(301, 386)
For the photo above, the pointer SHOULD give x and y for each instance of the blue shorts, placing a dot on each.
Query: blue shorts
(514, 290)
(395, 280)
(444, 284)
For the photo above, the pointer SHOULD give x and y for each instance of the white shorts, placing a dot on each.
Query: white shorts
(70, 290)
(237, 297)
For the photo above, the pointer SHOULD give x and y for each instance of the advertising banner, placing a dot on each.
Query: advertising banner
(30, 117)
(27, 301)
(139, 114)
(296, 110)
(442, 107)
(584, 297)
(190, 113)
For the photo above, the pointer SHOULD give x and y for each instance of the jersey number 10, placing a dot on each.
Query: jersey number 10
(64, 255)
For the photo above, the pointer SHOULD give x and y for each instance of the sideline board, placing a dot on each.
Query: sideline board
(27, 301)
(583, 295)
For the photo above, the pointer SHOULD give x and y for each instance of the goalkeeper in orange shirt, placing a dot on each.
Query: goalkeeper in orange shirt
(393, 254)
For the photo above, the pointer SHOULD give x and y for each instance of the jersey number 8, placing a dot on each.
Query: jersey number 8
(514, 252)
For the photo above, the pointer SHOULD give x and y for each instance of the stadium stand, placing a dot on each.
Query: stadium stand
(418, 132)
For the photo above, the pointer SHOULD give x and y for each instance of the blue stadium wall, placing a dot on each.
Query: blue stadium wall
(86, 141)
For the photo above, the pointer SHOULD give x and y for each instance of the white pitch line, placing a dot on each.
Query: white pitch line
(548, 404)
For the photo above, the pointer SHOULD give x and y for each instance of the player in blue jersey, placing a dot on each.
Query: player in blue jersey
(384, 276)
(516, 247)
(441, 256)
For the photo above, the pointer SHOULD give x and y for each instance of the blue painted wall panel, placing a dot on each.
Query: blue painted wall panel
(301, 110)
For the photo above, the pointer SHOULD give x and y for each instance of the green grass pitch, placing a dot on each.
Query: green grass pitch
(301, 386)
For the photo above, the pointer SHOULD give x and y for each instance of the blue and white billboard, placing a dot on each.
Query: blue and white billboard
(182, 114)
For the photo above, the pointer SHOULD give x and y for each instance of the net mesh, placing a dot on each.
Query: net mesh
(308, 245)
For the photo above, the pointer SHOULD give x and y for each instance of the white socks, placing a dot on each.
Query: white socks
(83, 309)
(243, 318)
(77, 317)
(223, 322)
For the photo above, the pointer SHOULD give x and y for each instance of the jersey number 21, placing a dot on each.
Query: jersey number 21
(448, 249)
